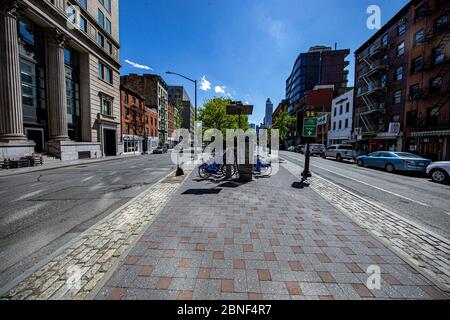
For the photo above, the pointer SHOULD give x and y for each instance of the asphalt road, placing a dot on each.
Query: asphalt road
(414, 197)
(42, 211)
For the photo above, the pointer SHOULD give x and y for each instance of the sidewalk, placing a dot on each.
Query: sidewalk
(267, 239)
(60, 164)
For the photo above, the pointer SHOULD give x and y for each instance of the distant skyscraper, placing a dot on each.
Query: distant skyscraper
(269, 111)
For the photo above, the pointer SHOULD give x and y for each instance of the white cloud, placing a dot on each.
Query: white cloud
(138, 66)
(219, 89)
(205, 84)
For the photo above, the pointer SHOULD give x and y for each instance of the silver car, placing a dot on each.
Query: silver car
(340, 152)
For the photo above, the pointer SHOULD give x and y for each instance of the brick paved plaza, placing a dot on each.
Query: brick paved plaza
(268, 239)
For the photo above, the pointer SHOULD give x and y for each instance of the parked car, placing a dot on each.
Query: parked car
(316, 149)
(394, 161)
(340, 152)
(300, 149)
(291, 149)
(160, 150)
(439, 171)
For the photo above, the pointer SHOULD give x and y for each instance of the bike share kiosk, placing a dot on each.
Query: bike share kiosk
(245, 170)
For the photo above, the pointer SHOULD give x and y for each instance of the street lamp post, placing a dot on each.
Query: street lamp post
(195, 94)
(309, 112)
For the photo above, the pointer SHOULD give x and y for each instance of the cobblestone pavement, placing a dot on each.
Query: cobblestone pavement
(97, 251)
(426, 251)
(267, 239)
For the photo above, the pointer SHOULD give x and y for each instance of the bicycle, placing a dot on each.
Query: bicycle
(209, 169)
(263, 168)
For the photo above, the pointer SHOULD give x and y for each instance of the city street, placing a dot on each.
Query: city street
(413, 197)
(44, 210)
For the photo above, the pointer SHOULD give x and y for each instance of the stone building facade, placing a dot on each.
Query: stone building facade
(59, 69)
(155, 91)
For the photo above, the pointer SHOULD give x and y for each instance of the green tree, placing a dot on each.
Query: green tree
(178, 114)
(283, 122)
(213, 115)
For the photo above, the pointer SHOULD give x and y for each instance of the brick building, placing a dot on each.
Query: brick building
(402, 83)
(155, 91)
(380, 85)
(138, 122)
(427, 109)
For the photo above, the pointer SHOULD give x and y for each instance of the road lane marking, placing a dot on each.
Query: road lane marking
(29, 195)
(87, 179)
(375, 187)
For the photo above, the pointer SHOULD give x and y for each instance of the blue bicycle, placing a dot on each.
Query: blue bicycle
(209, 169)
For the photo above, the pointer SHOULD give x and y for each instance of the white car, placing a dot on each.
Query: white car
(439, 171)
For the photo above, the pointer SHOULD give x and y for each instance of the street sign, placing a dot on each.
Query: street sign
(310, 128)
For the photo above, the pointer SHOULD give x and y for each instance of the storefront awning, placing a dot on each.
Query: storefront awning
(387, 136)
(441, 133)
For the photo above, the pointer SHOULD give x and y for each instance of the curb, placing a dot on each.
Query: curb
(13, 283)
(101, 284)
(40, 169)
(404, 257)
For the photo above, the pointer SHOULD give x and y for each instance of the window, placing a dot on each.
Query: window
(433, 116)
(419, 37)
(109, 47)
(101, 40)
(105, 73)
(106, 4)
(107, 25)
(435, 85)
(411, 119)
(83, 24)
(106, 106)
(385, 40)
(346, 123)
(383, 81)
(340, 124)
(414, 92)
(347, 107)
(401, 29)
(441, 22)
(101, 18)
(398, 97)
(341, 109)
(335, 112)
(395, 118)
(401, 49)
(398, 74)
(127, 128)
(438, 56)
(83, 3)
(417, 64)
(334, 125)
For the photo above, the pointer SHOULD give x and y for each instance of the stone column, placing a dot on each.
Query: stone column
(56, 87)
(11, 114)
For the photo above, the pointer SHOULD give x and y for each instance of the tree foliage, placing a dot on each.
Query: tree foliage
(178, 114)
(213, 115)
(283, 122)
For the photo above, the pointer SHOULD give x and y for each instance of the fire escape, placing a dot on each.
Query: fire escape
(376, 68)
(437, 60)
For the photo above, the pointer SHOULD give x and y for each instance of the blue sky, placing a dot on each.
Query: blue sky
(243, 48)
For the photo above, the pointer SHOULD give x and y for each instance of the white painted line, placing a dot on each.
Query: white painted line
(87, 179)
(29, 195)
(448, 213)
(375, 187)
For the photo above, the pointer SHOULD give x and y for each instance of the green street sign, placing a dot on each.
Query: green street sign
(310, 128)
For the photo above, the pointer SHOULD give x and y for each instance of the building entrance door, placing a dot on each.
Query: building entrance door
(109, 140)
(36, 135)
